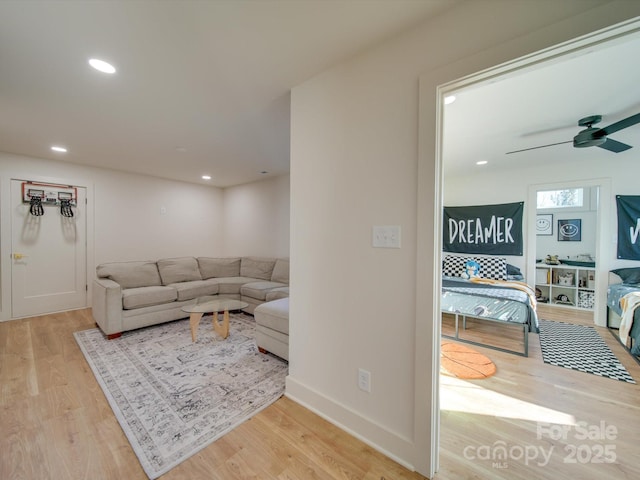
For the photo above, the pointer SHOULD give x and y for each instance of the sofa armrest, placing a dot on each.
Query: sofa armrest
(107, 305)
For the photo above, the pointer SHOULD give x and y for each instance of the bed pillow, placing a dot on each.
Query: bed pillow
(513, 270)
(493, 267)
(628, 275)
(453, 265)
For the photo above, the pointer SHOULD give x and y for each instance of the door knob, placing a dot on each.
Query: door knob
(18, 256)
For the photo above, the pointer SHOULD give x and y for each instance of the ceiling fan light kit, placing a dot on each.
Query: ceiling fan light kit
(596, 137)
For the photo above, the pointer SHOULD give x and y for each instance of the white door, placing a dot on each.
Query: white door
(48, 272)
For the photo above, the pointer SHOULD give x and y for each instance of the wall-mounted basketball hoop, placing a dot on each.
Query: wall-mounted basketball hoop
(38, 195)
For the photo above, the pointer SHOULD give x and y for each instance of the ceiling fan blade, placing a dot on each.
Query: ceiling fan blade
(614, 146)
(624, 123)
(541, 146)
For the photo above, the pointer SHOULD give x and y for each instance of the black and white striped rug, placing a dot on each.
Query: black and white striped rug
(581, 348)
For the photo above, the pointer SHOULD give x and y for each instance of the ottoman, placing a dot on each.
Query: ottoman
(272, 327)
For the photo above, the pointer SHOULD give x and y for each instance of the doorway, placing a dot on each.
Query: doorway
(582, 254)
(469, 194)
(49, 248)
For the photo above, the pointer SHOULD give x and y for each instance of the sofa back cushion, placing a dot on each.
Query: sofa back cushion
(281, 271)
(219, 267)
(131, 274)
(257, 267)
(174, 270)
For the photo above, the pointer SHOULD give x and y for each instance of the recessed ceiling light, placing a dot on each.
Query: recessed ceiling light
(206, 177)
(448, 100)
(102, 66)
(482, 162)
(57, 148)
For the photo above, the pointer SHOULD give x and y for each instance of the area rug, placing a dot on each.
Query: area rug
(173, 397)
(579, 347)
(463, 362)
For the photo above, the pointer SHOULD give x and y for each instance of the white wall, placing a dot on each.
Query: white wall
(256, 218)
(513, 185)
(616, 181)
(355, 163)
(550, 245)
(139, 217)
(133, 217)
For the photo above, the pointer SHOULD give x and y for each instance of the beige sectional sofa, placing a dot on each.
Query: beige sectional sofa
(130, 295)
(272, 327)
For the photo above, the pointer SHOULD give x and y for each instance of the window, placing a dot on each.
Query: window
(568, 197)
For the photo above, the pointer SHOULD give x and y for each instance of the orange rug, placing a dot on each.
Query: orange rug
(463, 362)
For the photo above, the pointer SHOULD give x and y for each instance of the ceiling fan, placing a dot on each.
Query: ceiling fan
(596, 137)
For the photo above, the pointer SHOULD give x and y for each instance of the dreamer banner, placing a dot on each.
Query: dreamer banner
(628, 226)
(485, 229)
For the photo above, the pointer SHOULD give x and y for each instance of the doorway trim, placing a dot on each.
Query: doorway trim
(488, 65)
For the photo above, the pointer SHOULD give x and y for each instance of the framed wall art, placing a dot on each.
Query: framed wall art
(570, 230)
(544, 224)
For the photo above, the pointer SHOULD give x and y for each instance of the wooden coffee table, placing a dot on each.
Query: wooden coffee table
(214, 305)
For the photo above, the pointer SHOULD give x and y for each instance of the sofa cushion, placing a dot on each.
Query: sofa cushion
(174, 270)
(130, 274)
(276, 293)
(273, 315)
(281, 271)
(257, 267)
(147, 296)
(219, 267)
(259, 290)
(195, 289)
(231, 285)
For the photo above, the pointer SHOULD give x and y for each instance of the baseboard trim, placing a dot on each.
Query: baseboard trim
(373, 434)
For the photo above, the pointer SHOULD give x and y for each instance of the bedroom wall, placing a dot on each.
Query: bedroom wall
(512, 186)
(503, 186)
(356, 162)
(615, 181)
(551, 245)
(256, 218)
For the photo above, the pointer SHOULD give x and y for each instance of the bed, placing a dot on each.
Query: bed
(498, 296)
(624, 283)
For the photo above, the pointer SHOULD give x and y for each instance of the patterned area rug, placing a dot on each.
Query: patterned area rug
(581, 348)
(173, 397)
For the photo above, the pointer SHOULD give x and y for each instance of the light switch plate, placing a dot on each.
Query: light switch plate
(386, 236)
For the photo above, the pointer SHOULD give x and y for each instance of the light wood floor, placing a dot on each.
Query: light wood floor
(55, 422)
(523, 407)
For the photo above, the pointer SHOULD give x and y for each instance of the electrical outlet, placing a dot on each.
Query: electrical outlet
(364, 380)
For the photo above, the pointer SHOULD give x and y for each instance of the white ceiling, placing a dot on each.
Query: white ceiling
(541, 106)
(202, 87)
